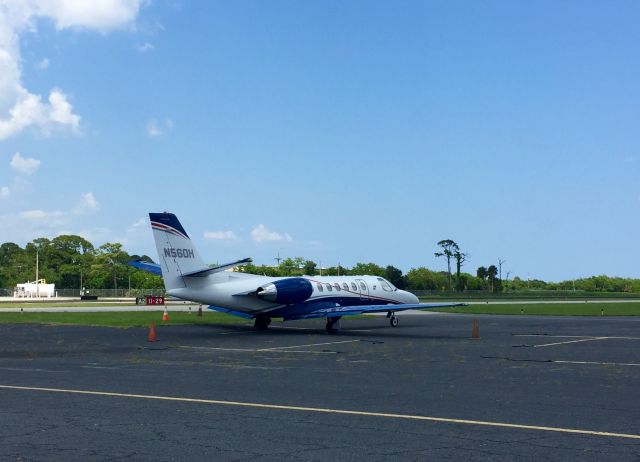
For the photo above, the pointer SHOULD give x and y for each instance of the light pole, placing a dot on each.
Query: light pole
(500, 262)
(115, 280)
(37, 272)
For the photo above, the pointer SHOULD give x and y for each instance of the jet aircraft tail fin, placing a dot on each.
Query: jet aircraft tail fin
(176, 254)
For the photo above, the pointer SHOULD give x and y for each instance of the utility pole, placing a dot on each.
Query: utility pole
(37, 272)
(500, 262)
(278, 259)
(115, 280)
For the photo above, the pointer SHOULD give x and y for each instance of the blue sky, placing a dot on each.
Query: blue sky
(338, 131)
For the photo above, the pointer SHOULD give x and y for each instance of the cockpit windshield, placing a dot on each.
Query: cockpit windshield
(386, 285)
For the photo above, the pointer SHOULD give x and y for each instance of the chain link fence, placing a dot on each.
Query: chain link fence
(100, 293)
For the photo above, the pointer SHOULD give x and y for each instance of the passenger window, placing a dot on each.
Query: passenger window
(374, 287)
(345, 286)
(337, 286)
(354, 287)
(362, 286)
(320, 289)
(328, 287)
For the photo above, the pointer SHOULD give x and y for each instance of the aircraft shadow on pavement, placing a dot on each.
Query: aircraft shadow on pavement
(382, 331)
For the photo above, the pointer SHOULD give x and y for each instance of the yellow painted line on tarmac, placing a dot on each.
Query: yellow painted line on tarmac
(280, 407)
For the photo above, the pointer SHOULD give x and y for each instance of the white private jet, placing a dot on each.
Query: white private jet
(262, 298)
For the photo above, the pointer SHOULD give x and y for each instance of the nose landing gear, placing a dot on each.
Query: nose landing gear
(393, 320)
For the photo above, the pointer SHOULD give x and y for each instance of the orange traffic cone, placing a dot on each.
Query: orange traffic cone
(165, 315)
(152, 333)
(475, 335)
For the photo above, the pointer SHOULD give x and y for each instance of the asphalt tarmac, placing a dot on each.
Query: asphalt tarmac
(531, 388)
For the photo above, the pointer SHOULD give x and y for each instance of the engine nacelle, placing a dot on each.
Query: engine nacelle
(286, 291)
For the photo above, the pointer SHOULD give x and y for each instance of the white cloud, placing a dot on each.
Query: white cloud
(22, 226)
(40, 215)
(26, 166)
(88, 204)
(101, 15)
(261, 233)
(61, 111)
(43, 64)
(144, 47)
(4, 192)
(140, 223)
(155, 128)
(21, 109)
(220, 235)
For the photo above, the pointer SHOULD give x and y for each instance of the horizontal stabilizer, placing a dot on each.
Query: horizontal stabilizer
(206, 271)
(146, 266)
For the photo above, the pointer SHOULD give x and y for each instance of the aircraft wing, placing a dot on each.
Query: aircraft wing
(145, 266)
(364, 309)
(228, 311)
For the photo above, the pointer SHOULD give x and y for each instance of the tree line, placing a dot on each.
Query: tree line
(72, 262)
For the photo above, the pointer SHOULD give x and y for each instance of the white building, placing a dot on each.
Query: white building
(35, 289)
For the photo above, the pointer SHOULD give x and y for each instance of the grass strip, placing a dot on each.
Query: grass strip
(120, 319)
(592, 308)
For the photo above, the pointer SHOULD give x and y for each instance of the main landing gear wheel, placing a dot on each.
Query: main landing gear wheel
(262, 322)
(333, 325)
(393, 321)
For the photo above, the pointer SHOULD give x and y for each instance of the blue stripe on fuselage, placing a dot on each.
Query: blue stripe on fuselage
(320, 303)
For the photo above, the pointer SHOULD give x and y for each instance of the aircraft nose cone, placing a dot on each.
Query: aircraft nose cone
(409, 297)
